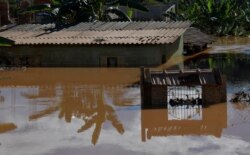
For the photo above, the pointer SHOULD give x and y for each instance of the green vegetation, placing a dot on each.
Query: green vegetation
(218, 17)
(5, 42)
(69, 12)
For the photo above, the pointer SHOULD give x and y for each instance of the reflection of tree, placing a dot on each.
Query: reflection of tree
(5, 127)
(1, 98)
(241, 112)
(103, 112)
(85, 104)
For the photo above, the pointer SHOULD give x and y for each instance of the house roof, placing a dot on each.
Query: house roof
(184, 77)
(150, 32)
(194, 37)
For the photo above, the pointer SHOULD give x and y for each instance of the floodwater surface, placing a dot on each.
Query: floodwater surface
(62, 111)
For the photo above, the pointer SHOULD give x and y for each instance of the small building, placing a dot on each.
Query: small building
(196, 41)
(97, 44)
(185, 88)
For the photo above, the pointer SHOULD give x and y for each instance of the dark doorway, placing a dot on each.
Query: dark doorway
(112, 62)
(163, 59)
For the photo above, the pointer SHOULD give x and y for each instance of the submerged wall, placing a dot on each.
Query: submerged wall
(214, 94)
(91, 55)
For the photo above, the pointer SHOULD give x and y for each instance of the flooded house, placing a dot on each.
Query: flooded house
(97, 44)
(185, 88)
(182, 102)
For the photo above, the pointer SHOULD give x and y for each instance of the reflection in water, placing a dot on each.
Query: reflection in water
(235, 66)
(84, 97)
(89, 98)
(5, 127)
(242, 112)
(81, 102)
(155, 122)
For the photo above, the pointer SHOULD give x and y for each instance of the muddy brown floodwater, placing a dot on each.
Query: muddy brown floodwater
(62, 111)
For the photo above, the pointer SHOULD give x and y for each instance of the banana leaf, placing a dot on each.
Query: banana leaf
(6, 42)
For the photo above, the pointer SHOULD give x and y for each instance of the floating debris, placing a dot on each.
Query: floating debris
(241, 96)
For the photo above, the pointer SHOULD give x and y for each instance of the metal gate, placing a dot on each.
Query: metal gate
(184, 103)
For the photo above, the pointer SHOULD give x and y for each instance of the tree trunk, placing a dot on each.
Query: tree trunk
(5, 14)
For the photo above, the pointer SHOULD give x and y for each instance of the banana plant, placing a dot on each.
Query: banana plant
(219, 17)
(70, 12)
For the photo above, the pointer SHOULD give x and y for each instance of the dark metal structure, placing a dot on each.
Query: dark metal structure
(181, 102)
(170, 88)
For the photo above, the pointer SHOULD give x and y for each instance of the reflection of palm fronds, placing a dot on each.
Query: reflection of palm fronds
(88, 124)
(30, 96)
(43, 113)
(104, 112)
(2, 99)
(5, 127)
(91, 108)
(96, 133)
(241, 105)
(111, 116)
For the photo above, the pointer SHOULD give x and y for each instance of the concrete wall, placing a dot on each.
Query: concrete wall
(96, 55)
(214, 94)
(156, 96)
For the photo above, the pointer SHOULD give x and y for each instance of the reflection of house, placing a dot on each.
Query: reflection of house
(156, 86)
(99, 44)
(154, 122)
